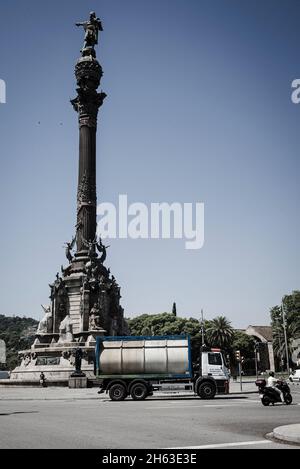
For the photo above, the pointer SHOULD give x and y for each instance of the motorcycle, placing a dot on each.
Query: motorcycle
(270, 395)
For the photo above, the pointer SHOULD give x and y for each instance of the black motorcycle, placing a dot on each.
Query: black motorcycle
(270, 395)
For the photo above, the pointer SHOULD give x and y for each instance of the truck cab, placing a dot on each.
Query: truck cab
(212, 369)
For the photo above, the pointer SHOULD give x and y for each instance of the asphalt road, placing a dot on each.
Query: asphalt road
(237, 421)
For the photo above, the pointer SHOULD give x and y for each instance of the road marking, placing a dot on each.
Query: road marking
(247, 400)
(224, 445)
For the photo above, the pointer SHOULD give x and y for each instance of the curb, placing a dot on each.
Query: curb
(242, 392)
(270, 436)
(288, 434)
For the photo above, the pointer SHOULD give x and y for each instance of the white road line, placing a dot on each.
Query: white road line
(224, 445)
(215, 400)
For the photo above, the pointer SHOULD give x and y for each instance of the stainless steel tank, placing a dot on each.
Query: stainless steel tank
(144, 356)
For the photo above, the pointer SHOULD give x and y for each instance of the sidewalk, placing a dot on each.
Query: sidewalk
(62, 393)
(247, 387)
(49, 393)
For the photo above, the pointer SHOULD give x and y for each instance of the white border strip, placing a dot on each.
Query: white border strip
(224, 445)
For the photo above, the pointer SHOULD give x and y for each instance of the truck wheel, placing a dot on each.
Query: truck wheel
(206, 390)
(139, 392)
(117, 392)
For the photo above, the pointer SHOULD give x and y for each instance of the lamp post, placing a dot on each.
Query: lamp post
(202, 327)
(239, 359)
(285, 337)
(255, 358)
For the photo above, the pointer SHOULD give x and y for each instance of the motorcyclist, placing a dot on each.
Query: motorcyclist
(272, 382)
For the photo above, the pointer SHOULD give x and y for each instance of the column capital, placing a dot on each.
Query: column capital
(87, 104)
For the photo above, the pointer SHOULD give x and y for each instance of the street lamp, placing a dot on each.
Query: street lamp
(285, 337)
(202, 327)
(256, 345)
(240, 360)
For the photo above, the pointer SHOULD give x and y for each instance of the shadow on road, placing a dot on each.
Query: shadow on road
(182, 398)
(14, 413)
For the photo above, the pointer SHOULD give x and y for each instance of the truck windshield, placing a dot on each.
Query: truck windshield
(214, 358)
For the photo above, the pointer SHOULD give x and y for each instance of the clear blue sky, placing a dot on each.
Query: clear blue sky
(198, 109)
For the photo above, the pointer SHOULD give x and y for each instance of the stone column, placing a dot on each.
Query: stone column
(88, 74)
(86, 194)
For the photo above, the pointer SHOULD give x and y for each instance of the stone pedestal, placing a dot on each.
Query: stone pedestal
(76, 382)
(92, 337)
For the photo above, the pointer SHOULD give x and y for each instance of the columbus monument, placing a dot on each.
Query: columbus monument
(84, 297)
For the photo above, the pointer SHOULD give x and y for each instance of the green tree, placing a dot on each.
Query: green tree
(167, 324)
(220, 333)
(217, 332)
(18, 334)
(244, 343)
(162, 324)
(291, 306)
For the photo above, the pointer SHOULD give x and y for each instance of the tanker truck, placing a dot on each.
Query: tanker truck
(136, 366)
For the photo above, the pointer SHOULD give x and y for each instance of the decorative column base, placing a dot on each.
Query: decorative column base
(77, 382)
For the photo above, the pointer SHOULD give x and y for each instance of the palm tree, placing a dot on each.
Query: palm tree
(292, 332)
(220, 332)
(291, 305)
